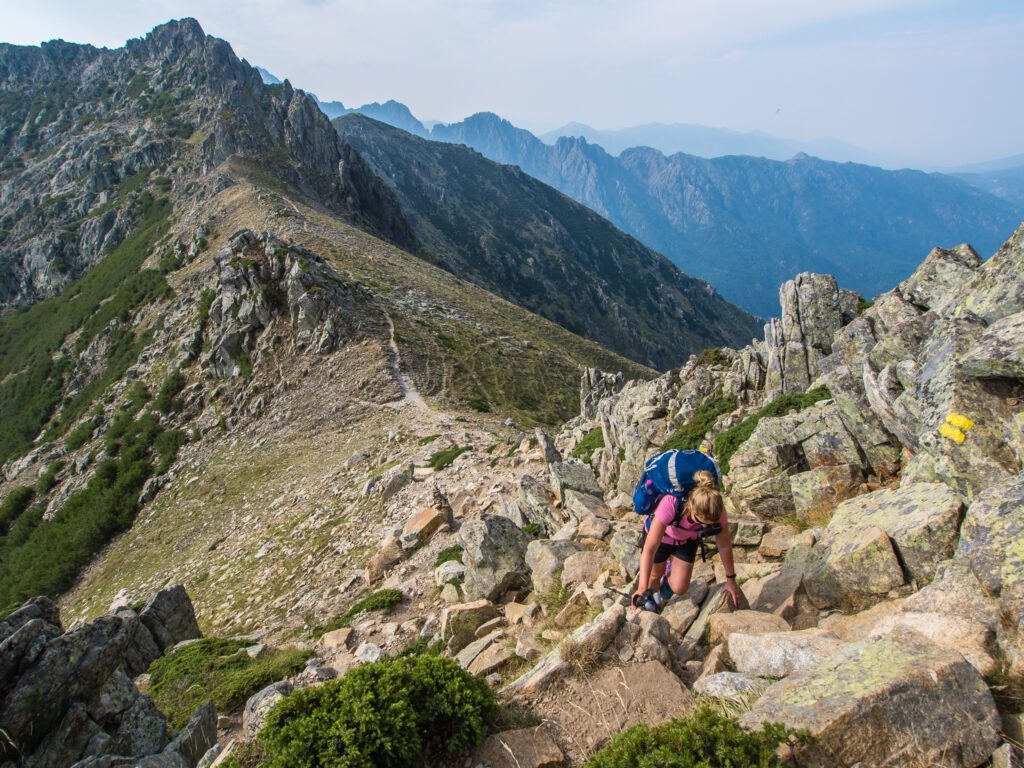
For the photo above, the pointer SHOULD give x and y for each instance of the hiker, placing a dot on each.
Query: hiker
(673, 531)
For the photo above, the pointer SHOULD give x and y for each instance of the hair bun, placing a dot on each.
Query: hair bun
(704, 479)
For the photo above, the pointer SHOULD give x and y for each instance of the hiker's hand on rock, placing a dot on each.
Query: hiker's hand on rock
(638, 599)
(733, 589)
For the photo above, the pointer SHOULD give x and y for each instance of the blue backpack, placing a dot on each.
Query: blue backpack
(669, 472)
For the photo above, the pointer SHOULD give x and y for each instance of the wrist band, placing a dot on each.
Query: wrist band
(730, 576)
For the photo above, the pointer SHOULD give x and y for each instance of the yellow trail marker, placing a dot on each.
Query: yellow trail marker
(960, 421)
(954, 434)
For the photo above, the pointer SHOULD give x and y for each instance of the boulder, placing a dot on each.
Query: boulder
(721, 625)
(992, 544)
(972, 639)
(522, 748)
(584, 567)
(776, 542)
(817, 491)
(778, 654)
(258, 706)
(494, 553)
(624, 545)
(460, 622)
(852, 570)
(337, 639)
(732, 686)
(544, 558)
(898, 700)
(938, 283)
(746, 530)
(169, 617)
(422, 525)
(922, 520)
(449, 572)
(572, 476)
(41, 608)
(388, 553)
(999, 351)
(491, 659)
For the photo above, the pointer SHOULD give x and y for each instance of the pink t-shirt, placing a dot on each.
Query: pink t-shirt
(666, 511)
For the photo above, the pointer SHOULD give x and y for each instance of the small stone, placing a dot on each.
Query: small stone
(368, 653)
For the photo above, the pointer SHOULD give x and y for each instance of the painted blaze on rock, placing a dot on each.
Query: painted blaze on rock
(895, 701)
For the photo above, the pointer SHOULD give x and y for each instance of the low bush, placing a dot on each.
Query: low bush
(13, 504)
(441, 459)
(167, 398)
(79, 435)
(47, 480)
(863, 305)
(218, 670)
(706, 739)
(593, 440)
(381, 600)
(395, 713)
(711, 357)
(691, 434)
(449, 553)
(729, 441)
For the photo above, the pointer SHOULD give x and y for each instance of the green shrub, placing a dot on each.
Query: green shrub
(428, 439)
(166, 446)
(863, 305)
(593, 440)
(533, 530)
(441, 459)
(205, 301)
(218, 670)
(391, 714)
(137, 396)
(729, 441)
(449, 553)
(13, 504)
(711, 357)
(167, 398)
(245, 366)
(382, 600)
(49, 477)
(479, 405)
(79, 435)
(705, 739)
(691, 434)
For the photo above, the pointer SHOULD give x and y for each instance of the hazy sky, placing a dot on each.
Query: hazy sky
(927, 82)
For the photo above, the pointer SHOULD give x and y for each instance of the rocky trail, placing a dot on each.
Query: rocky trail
(875, 549)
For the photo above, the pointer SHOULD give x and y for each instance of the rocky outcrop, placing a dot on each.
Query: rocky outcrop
(898, 700)
(263, 281)
(494, 553)
(67, 698)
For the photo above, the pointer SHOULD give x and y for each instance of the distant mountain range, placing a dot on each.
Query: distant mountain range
(748, 223)
(705, 141)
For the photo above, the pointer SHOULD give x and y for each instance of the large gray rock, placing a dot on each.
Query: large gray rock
(572, 476)
(992, 546)
(922, 520)
(494, 553)
(778, 654)
(852, 569)
(544, 559)
(42, 608)
(170, 618)
(999, 352)
(258, 706)
(898, 700)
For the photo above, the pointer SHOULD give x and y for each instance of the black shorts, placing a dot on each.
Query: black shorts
(685, 551)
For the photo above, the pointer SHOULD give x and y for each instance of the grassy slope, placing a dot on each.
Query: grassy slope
(207, 530)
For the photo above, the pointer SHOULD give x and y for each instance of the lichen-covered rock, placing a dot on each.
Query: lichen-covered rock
(170, 618)
(852, 569)
(494, 553)
(258, 706)
(999, 351)
(778, 654)
(922, 519)
(898, 700)
(817, 491)
(992, 546)
(460, 622)
(732, 686)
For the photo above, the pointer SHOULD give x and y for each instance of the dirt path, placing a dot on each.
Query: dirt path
(410, 395)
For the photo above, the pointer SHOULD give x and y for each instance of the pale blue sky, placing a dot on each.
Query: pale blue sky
(925, 82)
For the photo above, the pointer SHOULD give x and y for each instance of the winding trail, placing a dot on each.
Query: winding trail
(410, 395)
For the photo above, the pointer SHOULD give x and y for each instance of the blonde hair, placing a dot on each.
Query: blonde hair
(706, 503)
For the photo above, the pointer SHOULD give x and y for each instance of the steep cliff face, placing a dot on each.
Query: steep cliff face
(521, 239)
(84, 130)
